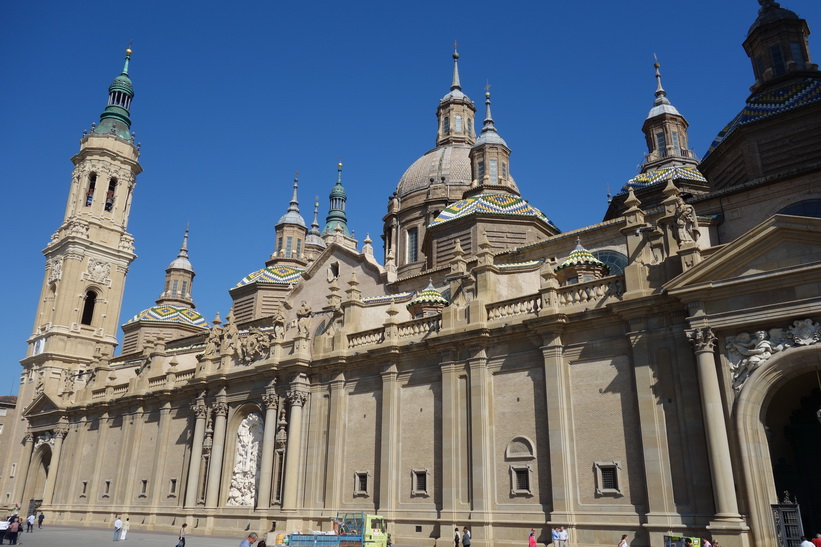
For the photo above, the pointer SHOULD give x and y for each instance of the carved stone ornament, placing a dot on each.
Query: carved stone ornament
(702, 339)
(55, 269)
(746, 352)
(98, 270)
(61, 432)
(220, 409)
(78, 228)
(686, 222)
(126, 243)
(199, 410)
(297, 398)
(247, 460)
(270, 400)
(44, 438)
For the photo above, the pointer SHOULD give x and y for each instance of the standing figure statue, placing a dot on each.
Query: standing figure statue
(303, 315)
(686, 222)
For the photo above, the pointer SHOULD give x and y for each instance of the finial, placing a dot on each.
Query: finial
(455, 83)
(488, 116)
(294, 206)
(128, 53)
(659, 90)
(339, 173)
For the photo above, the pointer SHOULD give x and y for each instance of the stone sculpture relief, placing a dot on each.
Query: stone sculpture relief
(248, 457)
(44, 438)
(55, 269)
(98, 270)
(686, 222)
(746, 352)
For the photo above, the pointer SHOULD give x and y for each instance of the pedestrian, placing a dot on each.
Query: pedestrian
(555, 536)
(562, 537)
(118, 526)
(705, 543)
(531, 540)
(623, 542)
(816, 540)
(247, 542)
(126, 526)
(42, 517)
(456, 538)
(30, 523)
(181, 542)
(805, 542)
(465, 537)
(14, 529)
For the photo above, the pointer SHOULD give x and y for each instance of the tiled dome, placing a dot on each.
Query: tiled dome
(494, 204)
(580, 256)
(171, 314)
(428, 296)
(284, 275)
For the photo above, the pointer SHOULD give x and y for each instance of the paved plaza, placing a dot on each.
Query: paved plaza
(71, 536)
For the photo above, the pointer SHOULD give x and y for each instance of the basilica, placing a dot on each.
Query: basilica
(656, 374)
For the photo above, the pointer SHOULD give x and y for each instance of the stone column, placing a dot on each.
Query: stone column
(481, 459)
(128, 472)
(560, 432)
(23, 467)
(200, 413)
(388, 454)
(296, 399)
(718, 447)
(78, 441)
(160, 450)
(267, 464)
(48, 493)
(215, 469)
(94, 478)
(336, 442)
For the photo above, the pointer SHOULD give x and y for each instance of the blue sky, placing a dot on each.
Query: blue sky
(232, 98)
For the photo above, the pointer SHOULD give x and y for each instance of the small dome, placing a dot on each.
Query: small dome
(771, 12)
(428, 296)
(171, 314)
(580, 256)
(292, 217)
(122, 83)
(492, 204)
(664, 108)
(451, 162)
(278, 275)
(657, 176)
(489, 137)
(181, 263)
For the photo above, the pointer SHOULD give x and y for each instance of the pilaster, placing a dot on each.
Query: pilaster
(270, 401)
(388, 454)
(215, 468)
(192, 483)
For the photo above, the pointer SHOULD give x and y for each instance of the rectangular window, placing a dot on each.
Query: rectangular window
(797, 55)
(504, 170)
(1, 429)
(279, 244)
(143, 488)
(85, 489)
(480, 168)
(360, 483)
(413, 240)
(3, 411)
(520, 480)
(676, 146)
(778, 60)
(494, 172)
(419, 482)
(13, 470)
(446, 126)
(174, 285)
(107, 489)
(608, 481)
(661, 143)
(289, 246)
(458, 124)
(172, 488)
(298, 247)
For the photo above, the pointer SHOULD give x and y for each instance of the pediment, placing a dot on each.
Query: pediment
(42, 404)
(351, 257)
(781, 244)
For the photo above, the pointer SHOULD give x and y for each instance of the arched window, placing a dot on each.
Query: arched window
(806, 208)
(614, 259)
(109, 197)
(92, 184)
(88, 308)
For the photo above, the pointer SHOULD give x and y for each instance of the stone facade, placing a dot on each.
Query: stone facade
(662, 382)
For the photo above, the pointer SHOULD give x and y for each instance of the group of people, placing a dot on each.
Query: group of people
(14, 527)
(558, 535)
(464, 538)
(121, 528)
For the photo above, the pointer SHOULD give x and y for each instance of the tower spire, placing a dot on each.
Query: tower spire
(116, 118)
(661, 95)
(490, 158)
(336, 213)
(290, 233)
(455, 112)
(455, 84)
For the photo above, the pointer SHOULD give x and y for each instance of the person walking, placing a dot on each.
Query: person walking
(555, 536)
(126, 526)
(531, 540)
(181, 542)
(118, 526)
(30, 523)
(456, 538)
(562, 537)
(816, 540)
(247, 542)
(465, 537)
(40, 520)
(623, 542)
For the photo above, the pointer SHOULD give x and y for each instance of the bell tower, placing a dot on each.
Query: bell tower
(88, 256)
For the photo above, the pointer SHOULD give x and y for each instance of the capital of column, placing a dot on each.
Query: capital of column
(271, 400)
(220, 408)
(703, 339)
(199, 409)
(61, 432)
(28, 438)
(297, 398)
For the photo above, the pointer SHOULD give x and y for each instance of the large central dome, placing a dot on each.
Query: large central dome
(450, 162)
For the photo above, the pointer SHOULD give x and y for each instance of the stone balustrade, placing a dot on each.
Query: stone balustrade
(526, 305)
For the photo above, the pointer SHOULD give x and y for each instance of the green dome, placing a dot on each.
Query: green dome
(116, 118)
(122, 83)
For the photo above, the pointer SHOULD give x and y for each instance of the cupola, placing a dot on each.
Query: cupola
(581, 266)
(290, 235)
(115, 119)
(490, 160)
(427, 302)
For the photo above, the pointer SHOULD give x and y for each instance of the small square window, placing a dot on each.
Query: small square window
(419, 482)
(361, 483)
(520, 480)
(608, 481)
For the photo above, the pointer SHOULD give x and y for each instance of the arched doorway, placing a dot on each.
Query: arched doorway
(779, 439)
(38, 474)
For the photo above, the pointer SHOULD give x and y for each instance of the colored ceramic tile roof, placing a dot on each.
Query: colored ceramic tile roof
(580, 256)
(492, 204)
(171, 314)
(769, 103)
(643, 180)
(528, 264)
(428, 296)
(283, 275)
